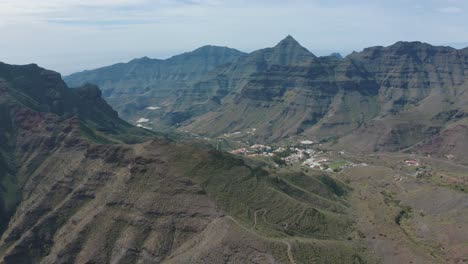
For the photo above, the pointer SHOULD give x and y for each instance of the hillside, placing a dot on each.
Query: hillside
(73, 191)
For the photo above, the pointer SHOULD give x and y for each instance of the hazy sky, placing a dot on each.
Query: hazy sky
(72, 35)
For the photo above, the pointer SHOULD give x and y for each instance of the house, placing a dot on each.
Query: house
(322, 160)
(260, 147)
(450, 156)
(241, 151)
(412, 163)
(307, 142)
(280, 149)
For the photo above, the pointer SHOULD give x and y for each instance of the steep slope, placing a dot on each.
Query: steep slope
(31, 90)
(397, 96)
(279, 92)
(133, 86)
(275, 97)
(399, 84)
(422, 92)
(66, 198)
(44, 91)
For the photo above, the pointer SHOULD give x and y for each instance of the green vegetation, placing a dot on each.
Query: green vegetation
(338, 188)
(94, 136)
(404, 213)
(291, 208)
(337, 165)
(330, 252)
(287, 152)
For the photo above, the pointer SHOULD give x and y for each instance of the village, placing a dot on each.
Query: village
(305, 153)
(302, 154)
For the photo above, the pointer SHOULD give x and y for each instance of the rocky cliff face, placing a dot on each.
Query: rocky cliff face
(399, 96)
(279, 92)
(32, 98)
(421, 91)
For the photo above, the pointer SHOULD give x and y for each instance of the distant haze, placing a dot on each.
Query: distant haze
(74, 35)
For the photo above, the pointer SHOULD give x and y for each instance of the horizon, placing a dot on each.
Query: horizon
(344, 55)
(453, 45)
(82, 35)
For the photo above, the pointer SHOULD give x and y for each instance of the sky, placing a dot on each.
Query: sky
(74, 35)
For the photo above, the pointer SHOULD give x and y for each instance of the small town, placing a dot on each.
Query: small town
(303, 154)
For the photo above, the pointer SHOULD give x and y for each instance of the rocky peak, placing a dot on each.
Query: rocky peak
(417, 48)
(288, 41)
(288, 52)
(213, 49)
(44, 90)
(216, 55)
(415, 51)
(336, 55)
(289, 44)
(144, 61)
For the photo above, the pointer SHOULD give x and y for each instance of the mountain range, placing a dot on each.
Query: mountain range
(402, 97)
(360, 159)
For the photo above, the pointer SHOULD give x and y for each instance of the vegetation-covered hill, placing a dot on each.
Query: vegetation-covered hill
(73, 191)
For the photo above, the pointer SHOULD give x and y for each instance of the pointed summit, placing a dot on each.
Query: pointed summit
(288, 41)
(289, 52)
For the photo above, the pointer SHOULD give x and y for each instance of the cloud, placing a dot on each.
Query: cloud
(73, 35)
(450, 10)
(86, 11)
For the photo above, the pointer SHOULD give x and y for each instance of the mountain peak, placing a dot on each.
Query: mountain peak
(410, 45)
(288, 41)
(211, 49)
(289, 52)
(336, 55)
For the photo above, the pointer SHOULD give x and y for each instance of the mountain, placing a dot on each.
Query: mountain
(422, 93)
(402, 97)
(79, 185)
(287, 52)
(130, 86)
(336, 55)
(334, 98)
(34, 101)
(278, 100)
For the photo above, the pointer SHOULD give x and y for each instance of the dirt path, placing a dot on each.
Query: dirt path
(250, 230)
(375, 216)
(255, 216)
(289, 251)
(446, 162)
